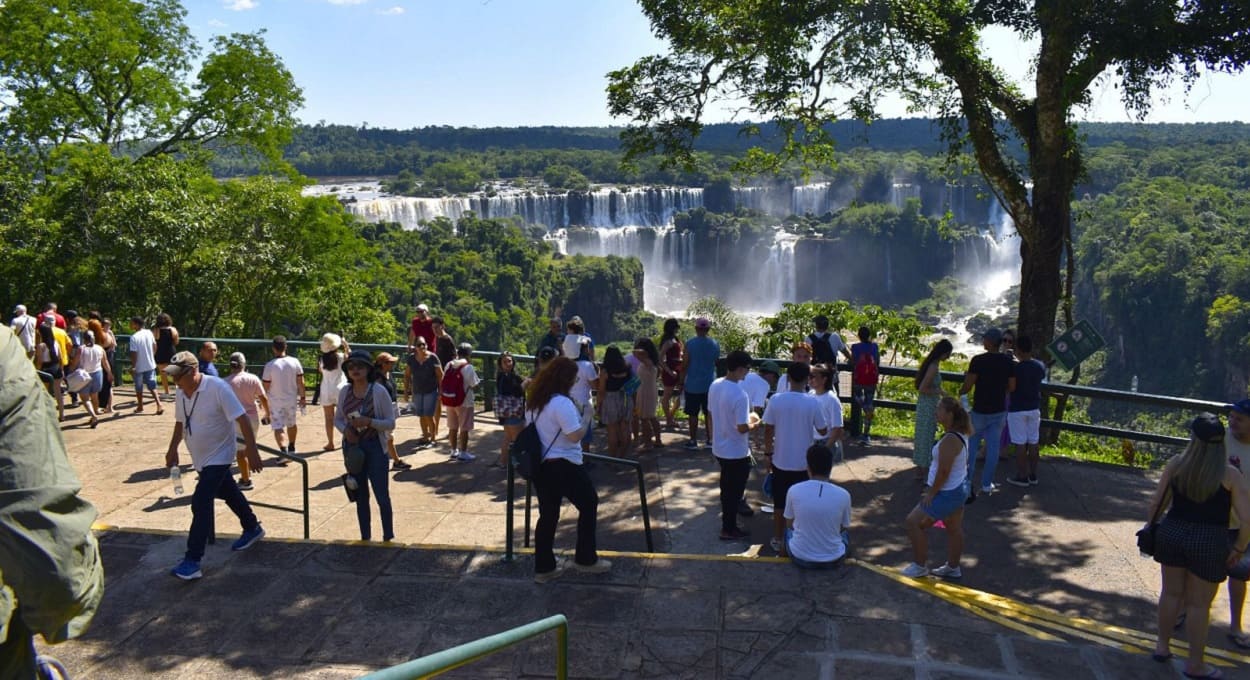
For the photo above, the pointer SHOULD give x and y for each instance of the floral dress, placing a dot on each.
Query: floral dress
(926, 423)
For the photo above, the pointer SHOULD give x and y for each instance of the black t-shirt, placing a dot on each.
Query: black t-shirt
(1028, 394)
(445, 349)
(424, 373)
(993, 369)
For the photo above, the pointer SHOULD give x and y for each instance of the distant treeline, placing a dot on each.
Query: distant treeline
(323, 150)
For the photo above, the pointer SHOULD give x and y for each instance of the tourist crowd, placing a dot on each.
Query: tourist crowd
(793, 420)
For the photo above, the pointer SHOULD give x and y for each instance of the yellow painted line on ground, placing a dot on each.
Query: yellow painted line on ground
(962, 603)
(1002, 608)
(100, 526)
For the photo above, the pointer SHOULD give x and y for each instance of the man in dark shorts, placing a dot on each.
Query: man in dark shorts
(789, 421)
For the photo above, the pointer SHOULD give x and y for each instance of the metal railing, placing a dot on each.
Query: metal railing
(462, 655)
(510, 507)
(212, 527)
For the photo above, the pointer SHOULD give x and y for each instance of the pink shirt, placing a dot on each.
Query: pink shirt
(248, 388)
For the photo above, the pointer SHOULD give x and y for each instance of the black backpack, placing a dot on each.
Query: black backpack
(822, 350)
(526, 453)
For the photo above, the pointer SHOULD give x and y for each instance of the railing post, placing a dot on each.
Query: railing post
(562, 651)
(508, 522)
(528, 496)
(646, 514)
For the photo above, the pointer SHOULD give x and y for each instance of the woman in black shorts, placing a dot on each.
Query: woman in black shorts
(166, 346)
(1199, 488)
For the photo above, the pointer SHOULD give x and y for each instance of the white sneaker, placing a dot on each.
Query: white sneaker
(947, 571)
(549, 576)
(455, 453)
(914, 570)
(600, 566)
(466, 457)
(992, 488)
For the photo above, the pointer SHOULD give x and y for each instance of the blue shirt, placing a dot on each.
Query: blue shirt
(1028, 395)
(207, 368)
(701, 367)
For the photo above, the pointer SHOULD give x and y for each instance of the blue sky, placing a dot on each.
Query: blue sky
(410, 63)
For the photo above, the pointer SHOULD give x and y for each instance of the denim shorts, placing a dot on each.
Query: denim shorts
(424, 404)
(945, 503)
(145, 378)
(97, 383)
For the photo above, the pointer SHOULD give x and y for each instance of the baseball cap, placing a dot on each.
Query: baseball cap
(770, 366)
(386, 358)
(182, 364)
(423, 307)
(237, 360)
(1208, 428)
(464, 350)
(993, 335)
(20, 309)
(358, 356)
(1242, 407)
(702, 322)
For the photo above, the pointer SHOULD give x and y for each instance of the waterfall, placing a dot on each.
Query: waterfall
(778, 280)
(810, 199)
(901, 191)
(601, 208)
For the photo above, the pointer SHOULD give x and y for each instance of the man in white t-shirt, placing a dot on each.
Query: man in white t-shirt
(460, 418)
(284, 385)
(789, 420)
(206, 413)
(143, 363)
(818, 514)
(23, 326)
(732, 422)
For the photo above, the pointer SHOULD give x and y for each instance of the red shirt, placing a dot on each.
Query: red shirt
(58, 320)
(424, 328)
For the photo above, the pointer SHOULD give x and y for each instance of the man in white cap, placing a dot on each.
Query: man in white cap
(206, 413)
(249, 390)
(422, 327)
(23, 326)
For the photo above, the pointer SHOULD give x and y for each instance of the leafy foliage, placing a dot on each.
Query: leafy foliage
(900, 336)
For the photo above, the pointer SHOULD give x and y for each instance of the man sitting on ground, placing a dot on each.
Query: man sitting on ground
(818, 514)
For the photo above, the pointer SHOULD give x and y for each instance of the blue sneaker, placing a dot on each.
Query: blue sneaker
(248, 538)
(187, 570)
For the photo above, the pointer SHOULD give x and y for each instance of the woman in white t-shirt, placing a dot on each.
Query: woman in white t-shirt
(945, 496)
(91, 360)
(830, 405)
(334, 351)
(561, 423)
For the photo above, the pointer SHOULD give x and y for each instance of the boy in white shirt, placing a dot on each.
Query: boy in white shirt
(460, 418)
(789, 420)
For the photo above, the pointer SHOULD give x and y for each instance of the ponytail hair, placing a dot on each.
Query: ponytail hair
(961, 422)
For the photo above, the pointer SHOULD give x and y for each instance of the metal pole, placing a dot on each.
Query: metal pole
(508, 522)
(528, 496)
(646, 514)
(307, 513)
(562, 652)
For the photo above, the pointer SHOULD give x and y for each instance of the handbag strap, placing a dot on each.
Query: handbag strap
(553, 439)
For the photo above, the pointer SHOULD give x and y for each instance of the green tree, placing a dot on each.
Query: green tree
(807, 62)
(118, 73)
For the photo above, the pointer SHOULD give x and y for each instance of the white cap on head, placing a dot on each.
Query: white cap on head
(423, 307)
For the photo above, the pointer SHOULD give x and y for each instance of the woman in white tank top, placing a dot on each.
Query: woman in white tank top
(945, 495)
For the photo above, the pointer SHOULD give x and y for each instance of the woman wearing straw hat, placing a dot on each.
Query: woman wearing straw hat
(333, 350)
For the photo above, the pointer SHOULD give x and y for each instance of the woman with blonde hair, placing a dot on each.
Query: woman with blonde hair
(945, 496)
(1198, 488)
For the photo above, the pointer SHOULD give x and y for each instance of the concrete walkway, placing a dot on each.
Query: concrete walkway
(333, 610)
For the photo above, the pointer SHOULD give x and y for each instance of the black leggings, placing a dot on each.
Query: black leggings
(562, 479)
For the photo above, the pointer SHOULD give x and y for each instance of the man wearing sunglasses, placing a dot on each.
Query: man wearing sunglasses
(206, 413)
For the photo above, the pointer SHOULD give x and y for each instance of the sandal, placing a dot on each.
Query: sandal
(1211, 674)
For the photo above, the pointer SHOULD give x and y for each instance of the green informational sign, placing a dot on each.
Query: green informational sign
(1076, 345)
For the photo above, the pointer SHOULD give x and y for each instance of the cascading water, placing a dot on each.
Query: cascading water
(778, 281)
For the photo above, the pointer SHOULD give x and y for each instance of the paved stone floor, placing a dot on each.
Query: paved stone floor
(332, 609)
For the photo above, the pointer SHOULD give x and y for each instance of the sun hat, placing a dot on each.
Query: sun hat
(330, 342)
(358, 356)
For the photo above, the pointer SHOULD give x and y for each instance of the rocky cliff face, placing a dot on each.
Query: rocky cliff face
(596, 289)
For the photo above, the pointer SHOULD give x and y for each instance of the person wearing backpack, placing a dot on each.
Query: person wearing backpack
(826, 347)
(865, 372)
(560, 424)
(456, 395)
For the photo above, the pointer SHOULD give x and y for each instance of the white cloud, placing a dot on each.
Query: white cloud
(213, 23)
(347, 2)
(393, 11)
(240, 5)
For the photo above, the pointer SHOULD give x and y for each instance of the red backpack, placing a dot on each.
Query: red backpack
(452, 388)
(865, 371)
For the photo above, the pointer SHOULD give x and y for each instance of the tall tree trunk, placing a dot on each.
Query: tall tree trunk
(1041, 252)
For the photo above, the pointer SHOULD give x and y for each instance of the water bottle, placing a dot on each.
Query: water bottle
(303, 410)
(175, 476)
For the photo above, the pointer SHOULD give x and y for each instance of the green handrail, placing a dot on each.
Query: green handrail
(462, 655)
